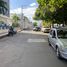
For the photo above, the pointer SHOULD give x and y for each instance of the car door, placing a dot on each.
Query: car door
(50, 37)
(53, 39)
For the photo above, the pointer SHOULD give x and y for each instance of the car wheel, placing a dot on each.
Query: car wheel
(58, 53)
(10, 34)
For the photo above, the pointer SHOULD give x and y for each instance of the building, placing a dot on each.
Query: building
(4, 14)
(3, 11)
(25, 23)
(5, 19)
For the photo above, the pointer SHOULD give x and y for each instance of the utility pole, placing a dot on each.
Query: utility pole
(22, 18)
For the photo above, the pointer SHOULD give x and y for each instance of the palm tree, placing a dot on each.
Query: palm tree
(3, 6)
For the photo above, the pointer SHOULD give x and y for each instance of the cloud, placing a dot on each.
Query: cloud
(17, 11)
(33, 4)
(29, 12)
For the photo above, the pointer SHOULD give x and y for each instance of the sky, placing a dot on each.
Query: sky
(14, 4)
(29, 7)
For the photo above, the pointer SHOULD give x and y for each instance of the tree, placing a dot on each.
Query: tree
(3, 5)
(46, 24)
(60, 15)
(15, 19)
(35, 24)
(15, 24)
(52, 10)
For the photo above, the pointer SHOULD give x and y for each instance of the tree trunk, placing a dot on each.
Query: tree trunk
(64, 24)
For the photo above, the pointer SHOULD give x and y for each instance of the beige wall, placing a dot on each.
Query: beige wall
(5, 19)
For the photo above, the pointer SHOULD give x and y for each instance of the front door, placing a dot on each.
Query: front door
(53, 39)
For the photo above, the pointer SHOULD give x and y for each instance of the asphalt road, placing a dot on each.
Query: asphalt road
(26, 50)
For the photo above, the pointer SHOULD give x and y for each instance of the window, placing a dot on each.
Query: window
(62, 33)
(54, 34)
(50, 32)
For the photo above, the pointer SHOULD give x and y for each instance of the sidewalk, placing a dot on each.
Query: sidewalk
(18, 29)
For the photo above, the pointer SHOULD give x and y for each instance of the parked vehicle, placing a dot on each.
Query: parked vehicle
(42, 29)
(11, 31)
(57, 38)
(36, 29)
(45, 30)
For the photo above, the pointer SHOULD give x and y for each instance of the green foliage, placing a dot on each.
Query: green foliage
(46, 24)
(35, 24)
(15, 24)
(52, 10)
(60, 15)
(15, 18)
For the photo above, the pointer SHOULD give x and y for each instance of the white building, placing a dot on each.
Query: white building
(6, 19)
(25, 23)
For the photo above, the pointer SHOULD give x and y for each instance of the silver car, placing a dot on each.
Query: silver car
(57, 38)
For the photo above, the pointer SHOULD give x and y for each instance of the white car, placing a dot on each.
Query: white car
(45, 30)
(42, 29)
(57, 38)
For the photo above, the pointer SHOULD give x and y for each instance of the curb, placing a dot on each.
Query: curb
(3, 35)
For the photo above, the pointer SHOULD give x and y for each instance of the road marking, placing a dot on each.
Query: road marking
(36, 40)
(33, 32)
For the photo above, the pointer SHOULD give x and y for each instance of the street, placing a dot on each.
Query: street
(22, 50)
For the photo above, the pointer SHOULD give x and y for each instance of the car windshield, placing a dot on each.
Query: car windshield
(62, 33)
